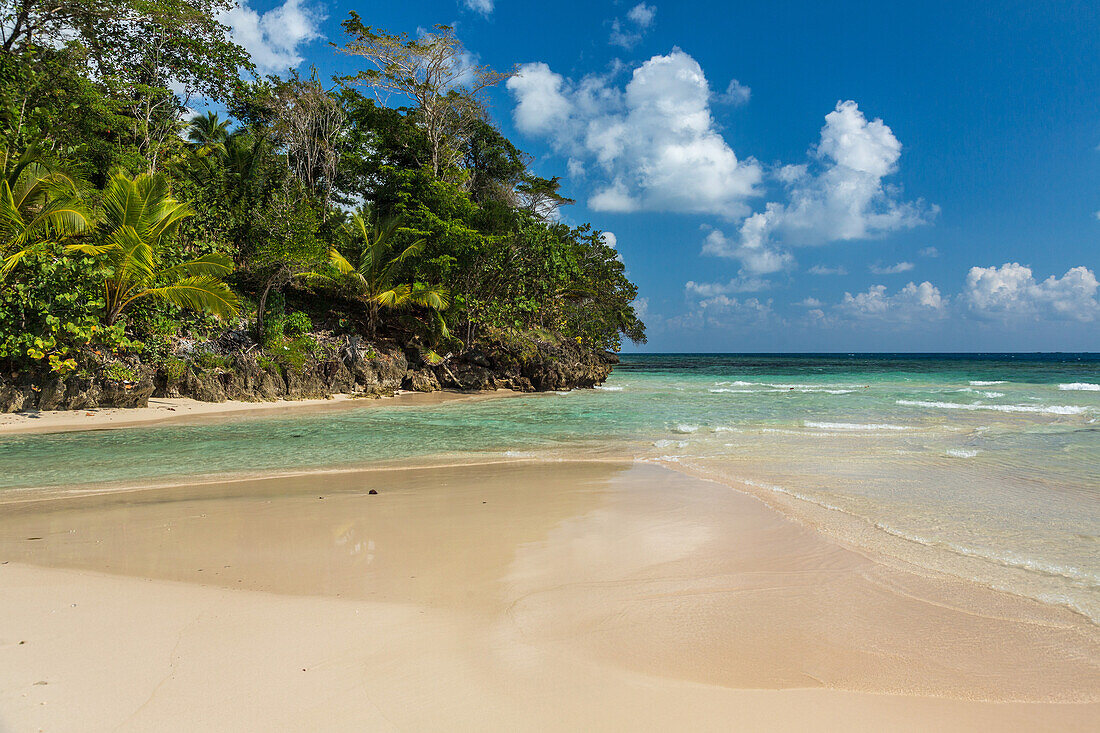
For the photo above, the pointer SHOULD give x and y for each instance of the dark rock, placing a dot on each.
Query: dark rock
(421, 380)
(16, 397)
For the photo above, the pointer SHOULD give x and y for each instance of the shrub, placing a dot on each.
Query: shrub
(119, 372)
(210, 360)
(173, 369)
(296, 324)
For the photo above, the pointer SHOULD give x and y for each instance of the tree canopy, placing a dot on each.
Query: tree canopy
(386, 195)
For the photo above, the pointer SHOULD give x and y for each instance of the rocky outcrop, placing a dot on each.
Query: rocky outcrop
(530, 366)
(75, 392)
(235, 368)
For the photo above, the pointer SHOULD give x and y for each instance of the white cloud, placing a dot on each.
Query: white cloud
(736, 93)
(627, 34)
(654, 141)
(1098, 214)
(273, 38)
(541, 107)
(481, 6)
(841, 195)
(892, 269)
(810, 303)
(642, 15)
(1011, 290)
(756, 257)
(823, 270)
(929, 252)
(911, 303)
(696, 290)
(610, 239)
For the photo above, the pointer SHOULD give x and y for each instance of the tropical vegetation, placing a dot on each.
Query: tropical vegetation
(290, 205)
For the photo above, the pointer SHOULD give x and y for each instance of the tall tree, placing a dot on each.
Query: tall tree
(435, 72)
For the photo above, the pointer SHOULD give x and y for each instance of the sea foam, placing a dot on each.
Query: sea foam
(851, 426)
(1049, 410)
(979, 383)
(1080, 387)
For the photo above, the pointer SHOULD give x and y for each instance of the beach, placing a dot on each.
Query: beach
(506, 596)
(182, 410)
(701, 544)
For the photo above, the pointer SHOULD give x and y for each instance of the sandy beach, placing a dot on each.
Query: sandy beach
(507, 596)
(182, 410)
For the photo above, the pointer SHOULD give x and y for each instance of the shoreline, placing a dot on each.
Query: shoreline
(184, 410)
(630, 579)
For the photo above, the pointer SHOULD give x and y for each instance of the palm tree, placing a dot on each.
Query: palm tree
(139, 215)
(38, 207)
(374, 274)
(208, 131)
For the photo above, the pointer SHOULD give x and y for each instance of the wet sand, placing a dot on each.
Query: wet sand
(510, 596)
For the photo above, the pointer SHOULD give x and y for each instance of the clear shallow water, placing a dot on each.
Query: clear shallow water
(984, 466)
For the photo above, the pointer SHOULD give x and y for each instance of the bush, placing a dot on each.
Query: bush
(173, 369)
(119, 372)
(210, 360)
(296, 324)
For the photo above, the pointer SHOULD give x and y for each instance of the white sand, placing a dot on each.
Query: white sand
(523, 596)
(185, 409)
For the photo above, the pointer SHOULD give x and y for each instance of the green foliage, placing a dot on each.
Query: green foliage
(124, 226)
(173, 369)
(294, 353)
(210, 361)
(140, 215)
(296, 324)
(120, 372)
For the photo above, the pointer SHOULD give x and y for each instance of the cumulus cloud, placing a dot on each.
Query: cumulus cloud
(727, 313)
(892, 269)
(913, 302)
(810, 303)
(757, 258)
(653, 142)
(840, 194)
(480, 6)
(1011, 290)
(274, 38)
(823, 270)
(638, 20)
(929, 252)
(610, 239)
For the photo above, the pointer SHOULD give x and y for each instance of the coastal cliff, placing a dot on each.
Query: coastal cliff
(234, 368)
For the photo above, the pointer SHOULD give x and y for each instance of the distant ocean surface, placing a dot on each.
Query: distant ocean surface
(986, 466)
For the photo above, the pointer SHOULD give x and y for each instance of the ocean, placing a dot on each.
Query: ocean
(984, 466)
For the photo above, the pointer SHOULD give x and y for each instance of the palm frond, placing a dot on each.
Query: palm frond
(210, 264)
(201, 293)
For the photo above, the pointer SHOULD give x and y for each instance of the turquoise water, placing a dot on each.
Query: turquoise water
(983, 466)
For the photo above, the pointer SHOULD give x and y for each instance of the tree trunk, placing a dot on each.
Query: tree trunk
(271, 281)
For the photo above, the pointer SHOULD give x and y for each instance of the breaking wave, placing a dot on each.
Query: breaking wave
(1050, 410)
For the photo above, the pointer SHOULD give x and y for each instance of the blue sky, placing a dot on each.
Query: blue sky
(799, 176)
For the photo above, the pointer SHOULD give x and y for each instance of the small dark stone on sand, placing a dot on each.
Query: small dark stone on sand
(372, 492)
(34, 538)
(40, 682)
